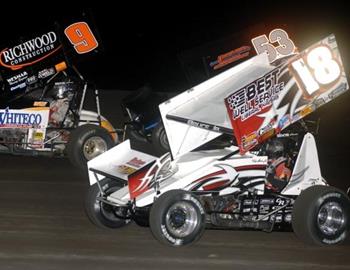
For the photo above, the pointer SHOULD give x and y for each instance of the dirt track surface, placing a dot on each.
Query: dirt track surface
(43, 226)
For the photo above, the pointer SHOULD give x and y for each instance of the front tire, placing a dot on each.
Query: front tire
(87, 142)
(177, 218)
(101, 214)
(321, 215)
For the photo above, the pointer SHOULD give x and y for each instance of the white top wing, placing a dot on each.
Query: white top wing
(199, 115)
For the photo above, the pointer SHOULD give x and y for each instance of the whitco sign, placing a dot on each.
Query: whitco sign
(26, 118)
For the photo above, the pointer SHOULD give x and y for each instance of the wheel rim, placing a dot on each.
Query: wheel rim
(181, 219)
(331, 218)
(93, 147)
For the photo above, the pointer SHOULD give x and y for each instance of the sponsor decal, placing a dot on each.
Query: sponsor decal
(230, 57)
(250, 202)
(198, 124)
(249, 140)
(248, 210)
(203, 125)
(36, 138)
(23, 118)
(40, 103)
(257, 95)
(259, 159)
(42, 74)
(280, 202)
(264, 209)
(18, 81)
(18, 86)
(288, 218)
(307, 110)
(29, 52)
(136, 162)
(284, 122)
(279, 218)
(295, 88)
(269, 133)
(296, 117)
(268, 127)
(123, 169)
(31, 80)
(20, 77)
(267, 201)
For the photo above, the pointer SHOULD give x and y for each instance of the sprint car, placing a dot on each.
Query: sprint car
(43, 96)
(266, 176)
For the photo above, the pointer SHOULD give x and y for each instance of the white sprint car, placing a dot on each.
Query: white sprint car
(266, 176)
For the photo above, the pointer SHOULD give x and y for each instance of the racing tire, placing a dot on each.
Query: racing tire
(160, 140)
(177, 218)
(86, 142)
(101, 214)
(321, 215)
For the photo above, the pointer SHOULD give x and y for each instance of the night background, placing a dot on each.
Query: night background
(145, 44)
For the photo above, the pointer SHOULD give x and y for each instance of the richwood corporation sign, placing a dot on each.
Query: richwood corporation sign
(30, 51)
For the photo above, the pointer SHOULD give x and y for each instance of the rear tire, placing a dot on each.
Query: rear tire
(101, 214)
(160, 140)
(133, 133)
(177, 218)
(86, 142)
(321, 215)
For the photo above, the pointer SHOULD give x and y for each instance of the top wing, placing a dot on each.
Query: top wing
(255, 100)
(199, 115)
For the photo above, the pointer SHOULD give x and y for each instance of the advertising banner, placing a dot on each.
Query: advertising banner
(299, 84)
(31, 60)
